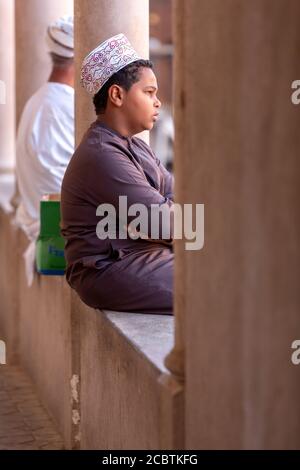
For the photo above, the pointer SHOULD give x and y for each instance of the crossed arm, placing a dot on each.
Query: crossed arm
(118, 176)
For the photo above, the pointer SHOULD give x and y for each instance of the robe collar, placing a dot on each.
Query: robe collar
(113, 131)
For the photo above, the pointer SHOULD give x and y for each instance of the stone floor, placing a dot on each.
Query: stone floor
(24, 423)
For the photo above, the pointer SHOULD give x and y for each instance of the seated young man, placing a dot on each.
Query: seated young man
(124, 272)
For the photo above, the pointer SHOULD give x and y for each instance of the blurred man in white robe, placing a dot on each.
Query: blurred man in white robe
(45, 138)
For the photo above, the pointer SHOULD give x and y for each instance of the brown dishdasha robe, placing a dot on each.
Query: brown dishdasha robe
(116, 274)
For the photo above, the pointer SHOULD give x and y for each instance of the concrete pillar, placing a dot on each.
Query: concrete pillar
(33, 64)
(175, 360)
(237, 152)
(95, 21)
(7, 103)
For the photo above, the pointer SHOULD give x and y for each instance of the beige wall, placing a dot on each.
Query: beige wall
(237, 151)
(45, 344)
(127, 401)
(10, 253)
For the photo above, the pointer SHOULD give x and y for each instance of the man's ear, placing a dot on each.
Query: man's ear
(116, 95)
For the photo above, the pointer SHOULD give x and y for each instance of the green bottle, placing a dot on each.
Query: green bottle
(50, 258)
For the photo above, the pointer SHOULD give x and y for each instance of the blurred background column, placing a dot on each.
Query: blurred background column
(33, 64)
(96, 21)
(7, 103)
(237, 152)
(161, 54)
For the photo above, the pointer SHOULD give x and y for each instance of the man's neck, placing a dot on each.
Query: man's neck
(115, 123)
(64, 76)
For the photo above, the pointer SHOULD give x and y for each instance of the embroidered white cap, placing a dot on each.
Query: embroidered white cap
(60, 38)
(106, 59)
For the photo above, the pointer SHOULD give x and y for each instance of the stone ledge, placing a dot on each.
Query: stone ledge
(150, 335)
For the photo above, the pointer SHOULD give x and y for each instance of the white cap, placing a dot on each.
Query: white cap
(105, 60)
(60, 37)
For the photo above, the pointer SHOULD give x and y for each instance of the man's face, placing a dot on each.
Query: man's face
(141, 105)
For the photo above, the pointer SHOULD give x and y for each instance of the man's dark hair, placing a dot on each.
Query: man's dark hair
(125, 78)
